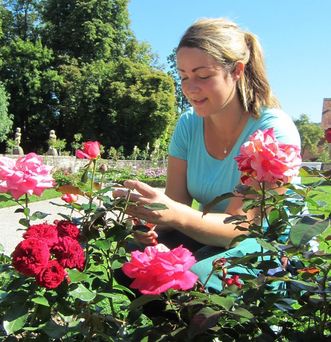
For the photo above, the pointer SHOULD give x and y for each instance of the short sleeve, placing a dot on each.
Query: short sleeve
(180, 139)
(283, 125)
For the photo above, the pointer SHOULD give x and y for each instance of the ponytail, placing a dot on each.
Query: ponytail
(253, 87)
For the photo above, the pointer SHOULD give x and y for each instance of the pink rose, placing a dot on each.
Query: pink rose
(158, 269)
(91, 150)
(44, 231)
(30, 256)
(70, 198)
(264, 159)
(52, 275)
(26, 175)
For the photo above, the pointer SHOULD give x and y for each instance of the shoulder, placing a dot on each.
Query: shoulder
(281, 122)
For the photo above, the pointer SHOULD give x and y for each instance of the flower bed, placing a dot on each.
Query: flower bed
(60, 282)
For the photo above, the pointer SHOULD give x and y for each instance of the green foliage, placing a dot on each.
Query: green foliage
(311, 135)
(6, 122)
(30, 80)
(86, 30)
(271, 306)
(68, 62)
(122, 103)
(182, 103)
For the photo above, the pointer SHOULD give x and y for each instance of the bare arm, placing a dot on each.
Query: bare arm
(209, 229)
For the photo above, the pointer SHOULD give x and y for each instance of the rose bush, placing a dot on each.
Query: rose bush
(60, 283)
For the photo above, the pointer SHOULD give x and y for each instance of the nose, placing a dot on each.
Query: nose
(190, 87)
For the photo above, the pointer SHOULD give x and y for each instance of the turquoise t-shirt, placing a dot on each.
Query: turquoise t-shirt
(208, 177)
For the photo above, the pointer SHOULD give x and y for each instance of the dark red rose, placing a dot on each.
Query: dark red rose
(52, 275)
(69, 253)
(31, 256)
(47, 232)
(67, 228)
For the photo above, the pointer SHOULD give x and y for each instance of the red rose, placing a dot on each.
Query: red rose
(30, 256)
(67, 228)
(91, 150)
(47, 232)
(69, 253)
(52, 275)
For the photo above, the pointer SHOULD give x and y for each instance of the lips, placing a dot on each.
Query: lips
(198, 102)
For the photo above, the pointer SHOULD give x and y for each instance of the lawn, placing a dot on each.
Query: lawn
(6, 201)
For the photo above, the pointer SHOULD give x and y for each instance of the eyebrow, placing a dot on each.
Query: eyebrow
(195, 69)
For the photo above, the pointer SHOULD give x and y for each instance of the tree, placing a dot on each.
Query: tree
(22, 19)
(182, 102)
(30, 80)
(6, 121)
(86, 30)
(123, 103)
(311, 135)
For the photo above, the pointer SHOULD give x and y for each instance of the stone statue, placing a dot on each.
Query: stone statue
(51, 142)
(17, 148)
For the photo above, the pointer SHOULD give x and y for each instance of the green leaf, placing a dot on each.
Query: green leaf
(54, 330)
(41, 301)
(224, 302)
(38, 215)
(14, 319)
(156, 206)
(203, 320)
(266, 245)
(306, 229)
(104, 245)
(116, 264)
(216, 200)
(24, 222)
(242, 312)
(83, 293)
(77, 276)
(142, 300)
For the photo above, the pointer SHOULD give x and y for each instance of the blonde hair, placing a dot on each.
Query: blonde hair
(228, 44)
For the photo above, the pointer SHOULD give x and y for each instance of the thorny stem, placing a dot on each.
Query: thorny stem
(324, 309)
(120, 217)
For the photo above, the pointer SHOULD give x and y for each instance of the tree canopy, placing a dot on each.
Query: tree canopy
(75, 66)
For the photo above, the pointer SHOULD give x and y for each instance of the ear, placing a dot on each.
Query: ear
(238, 70)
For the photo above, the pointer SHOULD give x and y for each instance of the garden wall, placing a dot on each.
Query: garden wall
(73, 164)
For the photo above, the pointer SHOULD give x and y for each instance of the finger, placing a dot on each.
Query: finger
(125, 193)
(143, 188)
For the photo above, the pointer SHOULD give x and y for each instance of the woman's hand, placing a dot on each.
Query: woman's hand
(143, 195)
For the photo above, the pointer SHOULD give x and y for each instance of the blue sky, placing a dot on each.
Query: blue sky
(295, 35)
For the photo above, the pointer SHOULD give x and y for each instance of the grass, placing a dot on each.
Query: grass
(6, 200)
(321, 195)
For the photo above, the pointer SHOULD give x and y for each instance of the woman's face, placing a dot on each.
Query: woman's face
(206, 85)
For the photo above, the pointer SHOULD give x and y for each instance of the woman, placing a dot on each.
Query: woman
(223, 77)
